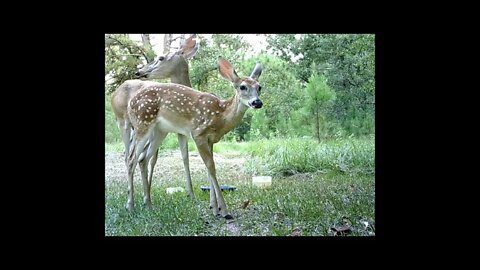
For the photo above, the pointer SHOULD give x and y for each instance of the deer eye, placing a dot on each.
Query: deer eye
(259, 88)
(161, 58)
(243, 87)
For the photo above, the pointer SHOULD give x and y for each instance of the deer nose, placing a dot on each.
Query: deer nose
(257, 104)
(137, 74)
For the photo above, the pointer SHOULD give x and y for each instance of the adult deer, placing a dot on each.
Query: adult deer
(159, 109)
(174, 66)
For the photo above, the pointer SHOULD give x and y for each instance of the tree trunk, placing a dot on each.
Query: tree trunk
(317, 124)
(148, 47)
(167, 42)
(182, 39)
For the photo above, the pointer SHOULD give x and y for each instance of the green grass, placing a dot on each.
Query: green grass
(291, 156)
(312, 206)
(333, 183)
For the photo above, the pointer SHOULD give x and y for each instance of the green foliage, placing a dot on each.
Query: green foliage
(112, 133)
(204, 66)
(292, 156)
(348, 62)
(318, 97)
(122, 58)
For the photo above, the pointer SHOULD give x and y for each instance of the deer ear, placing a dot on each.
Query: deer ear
(257, 71)
(227, 71)
(190, 47)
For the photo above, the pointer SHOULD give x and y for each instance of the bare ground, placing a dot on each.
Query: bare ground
(169, 167)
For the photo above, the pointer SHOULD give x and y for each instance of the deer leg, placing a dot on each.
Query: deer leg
(183, 142)
(205, 150)
(146, 187)
(135, 151)
(125, 129)
(153, 161)
(213, 197)
(156, 138)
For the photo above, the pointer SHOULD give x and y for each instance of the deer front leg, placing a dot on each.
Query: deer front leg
(205, 150)
(213, 197)
(183, 142)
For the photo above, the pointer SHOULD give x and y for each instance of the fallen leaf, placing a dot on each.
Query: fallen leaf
(245, 204)
(296, 232)
(341, 230)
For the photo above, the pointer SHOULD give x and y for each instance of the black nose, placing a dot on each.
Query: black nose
(257, 103)
(137, 74)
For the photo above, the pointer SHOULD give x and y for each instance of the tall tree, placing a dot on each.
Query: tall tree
(167, 42)
(148, 47)
(319, 97)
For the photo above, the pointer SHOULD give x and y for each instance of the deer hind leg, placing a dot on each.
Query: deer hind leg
(183, 143)
(136, 149)
(156, 138)
(126, 132)
(153, 161)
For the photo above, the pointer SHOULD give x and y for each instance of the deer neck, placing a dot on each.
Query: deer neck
(181, 77)
(234, 111)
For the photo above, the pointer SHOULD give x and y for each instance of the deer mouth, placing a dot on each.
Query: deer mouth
(140, 76)
(255, 106)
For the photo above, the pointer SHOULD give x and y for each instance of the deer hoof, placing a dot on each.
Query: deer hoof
(129, 207)
(148, 205)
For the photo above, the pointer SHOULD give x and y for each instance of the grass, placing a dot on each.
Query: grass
(310, 206)
(315, 187)
(288, 157)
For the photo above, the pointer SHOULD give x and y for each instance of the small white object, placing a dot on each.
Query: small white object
(172, 190)
(262, 181)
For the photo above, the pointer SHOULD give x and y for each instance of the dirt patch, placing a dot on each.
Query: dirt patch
(170, 167)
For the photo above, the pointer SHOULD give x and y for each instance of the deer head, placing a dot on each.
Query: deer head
(248, 89)
(172, 63)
